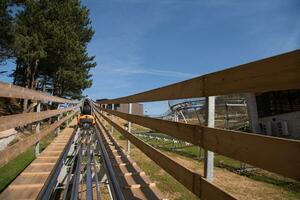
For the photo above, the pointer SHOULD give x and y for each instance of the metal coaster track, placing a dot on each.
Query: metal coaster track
(81, 180)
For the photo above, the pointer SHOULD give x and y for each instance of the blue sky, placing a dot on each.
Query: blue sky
(140, 44)
(144, 44)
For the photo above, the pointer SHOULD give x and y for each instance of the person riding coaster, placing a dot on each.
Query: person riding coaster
(86, 117)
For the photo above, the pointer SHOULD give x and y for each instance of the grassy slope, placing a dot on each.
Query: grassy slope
(13, 168)
(166, 183)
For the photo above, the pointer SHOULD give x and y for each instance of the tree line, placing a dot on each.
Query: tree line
(47, 40)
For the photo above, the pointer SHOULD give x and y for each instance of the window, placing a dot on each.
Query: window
(275, 103)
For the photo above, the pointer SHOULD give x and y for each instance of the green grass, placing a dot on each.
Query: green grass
(165, 182)
(193, 152)
(291, 186)
(228, 163)
(13, 168)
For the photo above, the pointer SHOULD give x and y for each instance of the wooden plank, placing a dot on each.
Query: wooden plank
(190, 179)
(278, 155)
(141, 193)
(24, 186)
(279, 72)
(266, 152)
(35, 173)
(7, 133)
(42, 164)
(12, 121)
(14, 150)
(31, 181)
(13, 91)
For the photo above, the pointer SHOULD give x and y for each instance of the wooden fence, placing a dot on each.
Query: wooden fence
(19, 120)
(276, 155)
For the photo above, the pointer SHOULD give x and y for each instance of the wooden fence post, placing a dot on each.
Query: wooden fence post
(105, 107)
(210, 122)
(37, 131)
(112, 117)
(58, 128)
(67, 121)
(129, 127)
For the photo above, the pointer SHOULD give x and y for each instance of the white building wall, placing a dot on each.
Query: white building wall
(286, 125)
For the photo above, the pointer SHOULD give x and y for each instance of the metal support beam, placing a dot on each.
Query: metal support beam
(252, 117)
(183, 117)
(89, 180)
(175, 116)
(96, 173)
(129, 127)
(226, 124)
(210, 122)
(252, 113)
(76, 179)
(37, 131)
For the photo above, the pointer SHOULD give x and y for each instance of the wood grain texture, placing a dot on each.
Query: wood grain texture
(187, 132)
(16, 149)
(12, 121)
(13, 91)
(266, 152)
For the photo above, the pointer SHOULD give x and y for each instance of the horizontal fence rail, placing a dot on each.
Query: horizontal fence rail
(266, 152)
(187, 132)
(22, 119)
(12, 121)
(275, 73)
(16, 149)
(190, 179)
(13, 91)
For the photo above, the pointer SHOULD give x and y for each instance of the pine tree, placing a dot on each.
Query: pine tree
(29, 42)
(51, 46)
(69, 33)
(6, 31)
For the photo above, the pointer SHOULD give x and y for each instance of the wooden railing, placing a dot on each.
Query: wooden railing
(19, 120)
(276, 73)
(276, 155)
(192, 180)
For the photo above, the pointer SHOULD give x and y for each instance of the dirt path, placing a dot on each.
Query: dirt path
(240, 186)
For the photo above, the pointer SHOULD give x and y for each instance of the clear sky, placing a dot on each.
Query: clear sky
(144, 44)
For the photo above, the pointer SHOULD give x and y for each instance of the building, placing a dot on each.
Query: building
(137, 108)
(278, 113)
